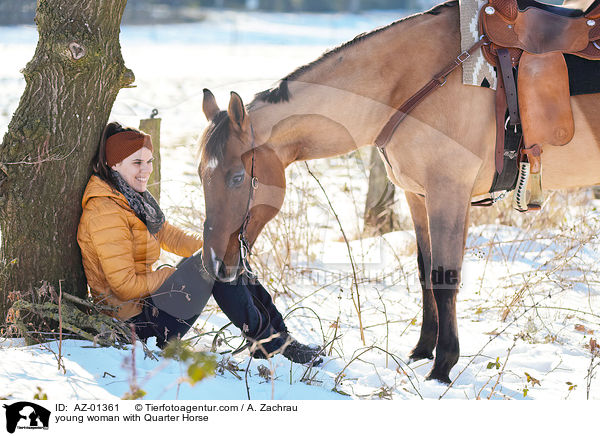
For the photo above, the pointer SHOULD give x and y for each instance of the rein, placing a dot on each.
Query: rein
(245, 249)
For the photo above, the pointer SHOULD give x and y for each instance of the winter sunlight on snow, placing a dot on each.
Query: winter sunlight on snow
(529, 302)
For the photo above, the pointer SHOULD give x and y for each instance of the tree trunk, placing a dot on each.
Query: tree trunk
(379, 216)
(71, 85)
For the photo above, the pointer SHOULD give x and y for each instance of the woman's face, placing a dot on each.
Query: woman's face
(136, 169)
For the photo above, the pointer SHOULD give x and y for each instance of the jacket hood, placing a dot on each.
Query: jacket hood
(97, 187)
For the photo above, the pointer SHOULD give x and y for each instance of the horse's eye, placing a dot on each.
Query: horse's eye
(236, 179)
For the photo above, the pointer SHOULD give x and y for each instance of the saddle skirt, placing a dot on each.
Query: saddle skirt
(539, 28)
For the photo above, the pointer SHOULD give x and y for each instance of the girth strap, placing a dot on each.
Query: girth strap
(500, 109)
(506, 97)
(510, 87)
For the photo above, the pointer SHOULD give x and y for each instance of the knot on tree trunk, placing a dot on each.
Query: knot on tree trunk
(127, 78)
(77, 50)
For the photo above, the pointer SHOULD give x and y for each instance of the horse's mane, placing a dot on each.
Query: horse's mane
(281, 93)
(215, 136)
(218, 131)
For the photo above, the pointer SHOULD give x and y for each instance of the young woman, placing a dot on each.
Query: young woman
(121, 233)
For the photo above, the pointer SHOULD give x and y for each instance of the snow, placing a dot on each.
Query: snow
(529, 300)
(540, 333)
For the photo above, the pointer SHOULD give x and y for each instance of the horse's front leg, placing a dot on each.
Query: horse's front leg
(429, 328)
(447, 208)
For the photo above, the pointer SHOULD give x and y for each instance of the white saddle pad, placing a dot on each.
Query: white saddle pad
(476, 68)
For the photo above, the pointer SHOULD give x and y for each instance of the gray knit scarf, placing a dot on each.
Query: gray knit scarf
(143, 204)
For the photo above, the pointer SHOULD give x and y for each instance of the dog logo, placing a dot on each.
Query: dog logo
(25, 415)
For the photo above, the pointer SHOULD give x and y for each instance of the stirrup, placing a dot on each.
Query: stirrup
(536, 198)
(520, 194)
(528, 193)
(534, 157)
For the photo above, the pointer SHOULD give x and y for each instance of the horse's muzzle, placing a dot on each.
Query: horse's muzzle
(217, 269)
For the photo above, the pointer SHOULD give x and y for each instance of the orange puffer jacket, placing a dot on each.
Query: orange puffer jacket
(118, 251)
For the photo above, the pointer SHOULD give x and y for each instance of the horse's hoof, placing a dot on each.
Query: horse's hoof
(442, 378)
(416, 355)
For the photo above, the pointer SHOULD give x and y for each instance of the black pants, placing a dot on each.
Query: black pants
(172, 310)
(250, 307)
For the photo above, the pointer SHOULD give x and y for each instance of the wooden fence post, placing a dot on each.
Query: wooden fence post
(152, 127)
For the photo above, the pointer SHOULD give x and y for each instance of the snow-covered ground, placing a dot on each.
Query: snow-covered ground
(540, 350)
(529, 302)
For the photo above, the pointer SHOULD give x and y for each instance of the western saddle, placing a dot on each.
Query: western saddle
(533, 37)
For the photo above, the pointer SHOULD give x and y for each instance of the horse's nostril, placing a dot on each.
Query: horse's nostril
(219, 268)
(222, 270)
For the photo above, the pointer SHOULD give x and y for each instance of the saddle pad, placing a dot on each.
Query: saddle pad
(476, 70)
(584, 75)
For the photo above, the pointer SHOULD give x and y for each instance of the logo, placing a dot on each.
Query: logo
(25, 415)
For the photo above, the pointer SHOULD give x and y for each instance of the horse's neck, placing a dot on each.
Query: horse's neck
(340, 103)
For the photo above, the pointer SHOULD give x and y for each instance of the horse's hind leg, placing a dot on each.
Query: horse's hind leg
(429, 328)
(447, 209)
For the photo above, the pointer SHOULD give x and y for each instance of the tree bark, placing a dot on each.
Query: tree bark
(71, 85)
(379, 215)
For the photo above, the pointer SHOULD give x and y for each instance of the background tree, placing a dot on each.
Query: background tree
(379, 214)
(71, 85)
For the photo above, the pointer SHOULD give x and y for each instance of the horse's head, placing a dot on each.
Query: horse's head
(244, 187)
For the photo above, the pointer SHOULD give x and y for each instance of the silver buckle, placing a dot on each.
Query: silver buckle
(466, 56)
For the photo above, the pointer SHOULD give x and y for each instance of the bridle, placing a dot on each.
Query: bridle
(245, 249)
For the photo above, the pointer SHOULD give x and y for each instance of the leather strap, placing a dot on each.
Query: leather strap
(245, 248)
(386, 133)
(486, 202)
(500, 130)
(507, 179)
(510, 86)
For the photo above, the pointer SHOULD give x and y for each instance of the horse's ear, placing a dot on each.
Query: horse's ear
(209, 105)
(237, 111)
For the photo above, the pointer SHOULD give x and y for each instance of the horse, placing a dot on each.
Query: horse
(442, 155)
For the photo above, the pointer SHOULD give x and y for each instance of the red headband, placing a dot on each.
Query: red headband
(124, 144)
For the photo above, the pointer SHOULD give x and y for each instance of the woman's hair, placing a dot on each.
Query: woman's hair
(99, 165)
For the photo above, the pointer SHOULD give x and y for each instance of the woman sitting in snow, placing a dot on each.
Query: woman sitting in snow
(121, 233)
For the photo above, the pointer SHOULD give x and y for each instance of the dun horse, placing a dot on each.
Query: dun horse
(441, 155)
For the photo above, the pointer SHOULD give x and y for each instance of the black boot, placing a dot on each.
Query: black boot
(301, 353)
(292, 350)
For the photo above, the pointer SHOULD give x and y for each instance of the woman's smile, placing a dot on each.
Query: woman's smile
(136, 169)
